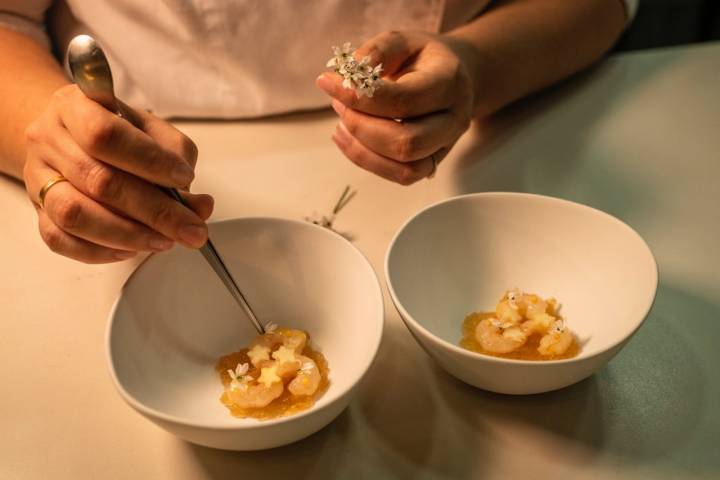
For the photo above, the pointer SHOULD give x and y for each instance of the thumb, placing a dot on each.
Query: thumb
(392, 49)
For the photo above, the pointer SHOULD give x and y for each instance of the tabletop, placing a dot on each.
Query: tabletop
(637, 136)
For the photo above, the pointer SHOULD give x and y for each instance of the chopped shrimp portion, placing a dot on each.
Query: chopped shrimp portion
(295, 339)
(556, 342)
(307, 380)
(278, 365)
(522, 326)
(496, 339)
(256, 395)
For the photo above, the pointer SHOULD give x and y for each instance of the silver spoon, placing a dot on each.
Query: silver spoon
(91, 72)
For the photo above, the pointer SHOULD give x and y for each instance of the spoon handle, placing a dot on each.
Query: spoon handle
(91, 72)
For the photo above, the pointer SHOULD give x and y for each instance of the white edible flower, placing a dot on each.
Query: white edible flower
(358, 75)
(497, 323)
(512, 296)
(270, 327)
(514, 334)
(239, 375)
(307, 366)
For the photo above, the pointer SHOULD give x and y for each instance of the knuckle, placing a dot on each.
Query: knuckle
(350, 124)
(102, 183)
(27, 170)
(154, 160)
(52, 238)
(99, 132)
(393, 36)
(401, 106)
(465, 122)
(33, 133)
(67, 213)
(161, 216)
(349, 98)
(189, 150)
(406, 146)
(406, 176)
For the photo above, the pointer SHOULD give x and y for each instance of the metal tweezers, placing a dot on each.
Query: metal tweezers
(213, 258)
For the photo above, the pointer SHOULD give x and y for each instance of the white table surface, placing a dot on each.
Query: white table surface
(638, 137)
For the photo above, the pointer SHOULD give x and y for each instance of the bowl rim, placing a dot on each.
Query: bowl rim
(412, 324)
(261, 424)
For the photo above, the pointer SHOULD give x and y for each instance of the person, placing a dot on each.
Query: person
(445, 63)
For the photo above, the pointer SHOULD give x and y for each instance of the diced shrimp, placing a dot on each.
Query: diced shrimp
(295, 339)
(307, 380)
(495, 339)
(538, 322)
(556, 342)
(507, 312)
(255, 395)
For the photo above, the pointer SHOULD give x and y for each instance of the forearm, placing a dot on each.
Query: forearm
(29, 77)
(521, 46)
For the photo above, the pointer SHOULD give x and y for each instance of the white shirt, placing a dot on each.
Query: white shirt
(228, 58)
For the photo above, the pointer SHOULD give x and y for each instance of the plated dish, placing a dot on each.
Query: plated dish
(277, 375)
(464, 252)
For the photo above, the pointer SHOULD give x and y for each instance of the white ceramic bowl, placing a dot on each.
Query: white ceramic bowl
(174, 318)
(460, 255)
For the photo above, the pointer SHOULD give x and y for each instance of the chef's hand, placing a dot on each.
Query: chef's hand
(110, 208)
(413, 120)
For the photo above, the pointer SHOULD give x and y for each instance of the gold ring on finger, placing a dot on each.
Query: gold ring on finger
(50, 183)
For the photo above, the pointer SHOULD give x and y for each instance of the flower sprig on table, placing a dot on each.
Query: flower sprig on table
(326, 221)
(358, 75)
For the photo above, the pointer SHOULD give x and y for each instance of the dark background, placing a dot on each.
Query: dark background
(671, 22)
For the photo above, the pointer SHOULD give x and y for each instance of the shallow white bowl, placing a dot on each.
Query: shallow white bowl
(460, 255)
(174, 319)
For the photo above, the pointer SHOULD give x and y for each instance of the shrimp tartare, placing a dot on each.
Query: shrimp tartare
(278, 375)
(523, 326)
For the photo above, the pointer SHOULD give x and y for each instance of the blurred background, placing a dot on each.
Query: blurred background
(671, 22)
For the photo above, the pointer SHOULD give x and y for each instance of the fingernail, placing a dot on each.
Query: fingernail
(182, 174)
(337, 141)
(194, 235)
(342, 129)
(341, 138)
(338, 107)
(160, 243)
(324, 83)
(124, 255)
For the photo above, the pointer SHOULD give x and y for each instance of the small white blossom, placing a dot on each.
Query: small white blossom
(497, 323)
(270, 327)
(307, 366)
(358, 75)
(512, 296)
(239, 375)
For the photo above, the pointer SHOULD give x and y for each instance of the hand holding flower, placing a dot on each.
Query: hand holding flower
(403, 127)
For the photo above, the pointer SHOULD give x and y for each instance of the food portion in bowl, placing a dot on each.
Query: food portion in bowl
(278, 375)
(523, 326)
